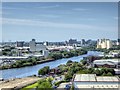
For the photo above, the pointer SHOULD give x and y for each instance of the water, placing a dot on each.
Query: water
(31, 70)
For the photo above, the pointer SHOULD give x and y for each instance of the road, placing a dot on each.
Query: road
(18, 83)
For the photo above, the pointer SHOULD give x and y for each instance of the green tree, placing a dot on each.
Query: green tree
(44, 85)
(69, 61)
(44, 70)
(104, 74)
(68, 76)
(97, 72)
(83, 62)
(109, 74)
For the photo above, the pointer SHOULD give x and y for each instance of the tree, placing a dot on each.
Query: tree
(41, 81)
(44, 85)
(69, 61)
(104, 71)
(84, 62)
(68, 76)
(97, 72)
(104, 74)
(55, 55)
(49, 79)
(109, 74)
(44, 70)
(91, 70)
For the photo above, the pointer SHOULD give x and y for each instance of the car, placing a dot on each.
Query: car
(67, 87)
(54, 87)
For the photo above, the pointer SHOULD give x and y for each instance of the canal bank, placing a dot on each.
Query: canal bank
(33, 70)
(18, 83)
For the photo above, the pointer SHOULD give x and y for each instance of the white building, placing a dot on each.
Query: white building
(93, 82)
(32, 45)
(38, 48)
(115, 63)
(45, 53)
(104, 43)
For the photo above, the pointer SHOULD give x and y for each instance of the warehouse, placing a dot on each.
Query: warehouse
(110, 63)
(93, 82)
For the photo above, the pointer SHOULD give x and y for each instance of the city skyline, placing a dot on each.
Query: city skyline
(78, 40)
(59, 21)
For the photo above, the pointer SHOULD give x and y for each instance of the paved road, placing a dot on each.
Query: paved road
(18, 83)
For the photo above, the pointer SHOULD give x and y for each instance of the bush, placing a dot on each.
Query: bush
(58, 83)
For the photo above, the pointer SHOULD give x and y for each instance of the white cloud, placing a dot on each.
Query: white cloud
(37, 7)
(116, 18)
(60, 0)
(46, 7)
(45, 24)
(9, 8)
(90, 19)
(80, 9)
(49, 16)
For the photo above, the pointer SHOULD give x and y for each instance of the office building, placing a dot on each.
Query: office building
(83, 42)
(20, 43)
(32, 45)
(72, 41)
(118, 42)
(45, 53)
(37, 47)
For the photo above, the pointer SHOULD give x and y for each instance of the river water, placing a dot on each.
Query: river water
(31, 70)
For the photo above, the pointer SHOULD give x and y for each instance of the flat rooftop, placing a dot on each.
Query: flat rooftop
(107, 78)
(93, 82)
(93, 77)
(85, 77)
(107, 60)
(94, 87)
(12, 57)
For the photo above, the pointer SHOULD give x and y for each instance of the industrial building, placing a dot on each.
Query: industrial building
(93, 82)
(110, 63)
(11, 59)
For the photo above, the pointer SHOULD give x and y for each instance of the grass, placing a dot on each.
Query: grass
(30, 87)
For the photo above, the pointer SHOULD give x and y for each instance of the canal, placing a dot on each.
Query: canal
(32, 70)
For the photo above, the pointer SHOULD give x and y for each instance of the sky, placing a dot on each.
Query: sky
(59, 21)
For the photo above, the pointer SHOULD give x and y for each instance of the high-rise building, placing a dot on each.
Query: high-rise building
(45, 53)
(104, 43)
(72, 41)
(20, 43)
(45, 43)
(119, 41)
(38, 47)
(32, 45)
(83, 42)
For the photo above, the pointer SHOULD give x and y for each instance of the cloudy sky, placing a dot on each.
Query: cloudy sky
(59, 21)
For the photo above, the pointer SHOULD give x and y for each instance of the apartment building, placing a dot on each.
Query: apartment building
(104, 43)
